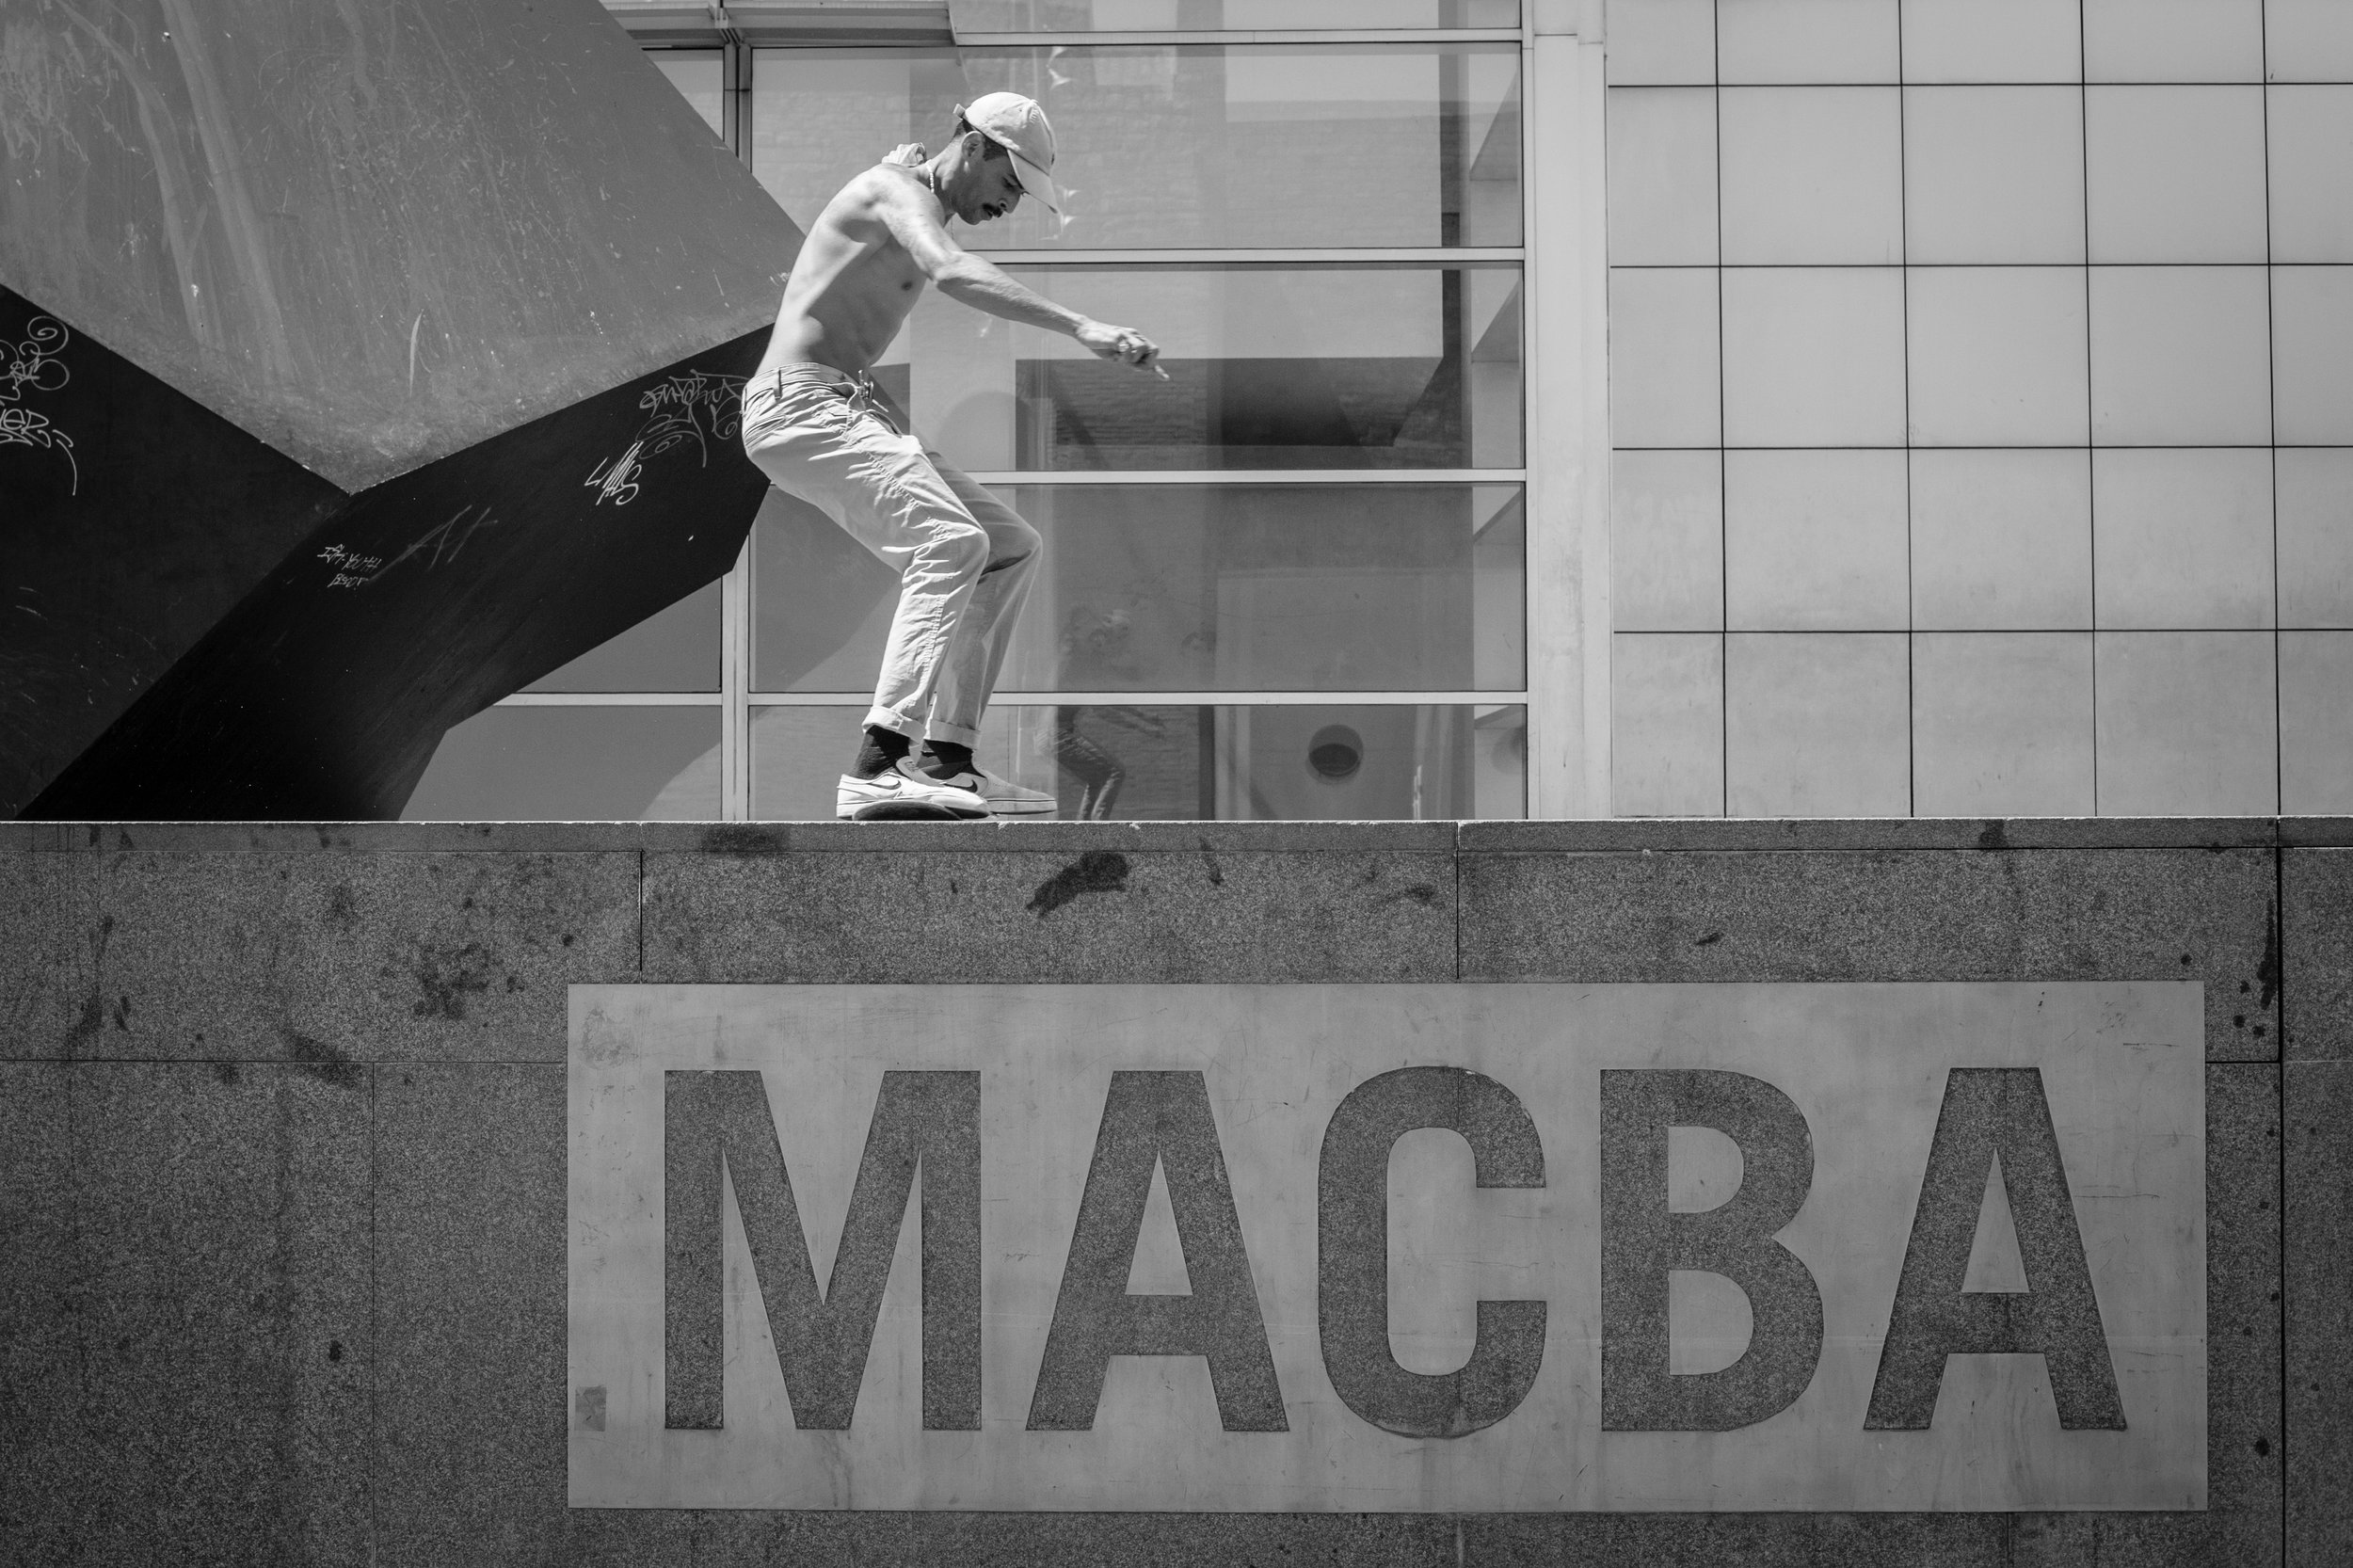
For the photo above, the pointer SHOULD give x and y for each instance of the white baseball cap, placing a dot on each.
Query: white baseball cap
(1018, 125)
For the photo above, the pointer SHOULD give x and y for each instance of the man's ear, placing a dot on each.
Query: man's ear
(975, 146)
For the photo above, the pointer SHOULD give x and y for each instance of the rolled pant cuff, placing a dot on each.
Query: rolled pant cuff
(879, 717)
(954, 735)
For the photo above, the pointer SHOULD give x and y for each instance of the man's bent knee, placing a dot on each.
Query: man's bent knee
(960, 549)
(1011, 543)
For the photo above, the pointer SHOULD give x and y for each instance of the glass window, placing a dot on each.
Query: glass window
(1277, 585)
(1191, 588)
(1296, 146)
(574, 765)
(700, 77)
(1331, 367)
(1228, 762)
(1151, 16)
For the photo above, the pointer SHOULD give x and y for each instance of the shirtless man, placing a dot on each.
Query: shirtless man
(812, 423)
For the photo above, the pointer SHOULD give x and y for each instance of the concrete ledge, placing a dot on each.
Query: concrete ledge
(555, 838)
(281, 1135)
(1569, 836)
(2060, 913)
(1348, 912)
(1703, 833)
(332, 958)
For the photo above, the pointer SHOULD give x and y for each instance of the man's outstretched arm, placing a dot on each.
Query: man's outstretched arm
(973, 281)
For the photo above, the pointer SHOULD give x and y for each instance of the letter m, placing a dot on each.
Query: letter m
(718, 1132)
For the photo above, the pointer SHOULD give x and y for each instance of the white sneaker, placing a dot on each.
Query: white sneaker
(902, 791)
(1005, 798)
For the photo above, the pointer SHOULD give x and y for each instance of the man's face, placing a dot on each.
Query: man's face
(985, 186)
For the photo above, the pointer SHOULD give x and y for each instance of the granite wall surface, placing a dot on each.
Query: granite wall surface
(283, 1170)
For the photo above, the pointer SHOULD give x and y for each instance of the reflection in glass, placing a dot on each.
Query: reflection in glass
(1169, 16)
(1366, 367)
(699, 75)
(675, 650)
(1158, 764)
(1181, 147)
(574, 765)
(1392, 587)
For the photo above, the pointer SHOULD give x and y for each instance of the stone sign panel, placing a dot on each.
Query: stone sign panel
(1366, 1248)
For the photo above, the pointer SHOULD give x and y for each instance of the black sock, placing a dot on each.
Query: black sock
(942, 758)
(882, 748)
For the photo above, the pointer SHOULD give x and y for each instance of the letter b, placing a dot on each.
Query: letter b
(1641, 1242)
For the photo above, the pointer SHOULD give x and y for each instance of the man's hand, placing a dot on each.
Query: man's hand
(1122, 344)
(909, 154)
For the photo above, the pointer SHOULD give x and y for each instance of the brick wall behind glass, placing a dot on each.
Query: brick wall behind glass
(1982, 391)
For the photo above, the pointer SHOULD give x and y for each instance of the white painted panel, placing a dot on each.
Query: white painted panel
(1782, 42)
(2312, 324)
(1816, 541)
(2309, 40)
(2173, 40)
(1997, 355)
(1662, 177)
(2186, 724)
(2001, 541)
(2000, 723)
(1992, 41)
(1666, 541)
(2315, 723)
(2176, 173)
(1812, 176)
(2180, 357)
(1818, 724)
(1814, 357)
(2120, 1067)
(1665, 386)
(1666, 725)
(2316, 487)
(2309, 144)
(1662, 42)
(2182, 539)
(1994, 174)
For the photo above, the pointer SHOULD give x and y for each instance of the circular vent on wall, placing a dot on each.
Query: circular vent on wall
(1335, 753)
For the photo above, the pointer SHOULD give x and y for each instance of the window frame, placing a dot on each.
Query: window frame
(1564, 482)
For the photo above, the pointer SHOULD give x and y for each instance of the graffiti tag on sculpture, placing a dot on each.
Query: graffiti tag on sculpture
(1366, 1248)
(695, 407)
(444, 541)
(32, 365)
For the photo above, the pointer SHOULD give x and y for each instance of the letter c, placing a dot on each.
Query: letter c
(1353, 1253)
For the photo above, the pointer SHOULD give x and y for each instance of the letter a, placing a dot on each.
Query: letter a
(1162, 1119)
(1989, 1112)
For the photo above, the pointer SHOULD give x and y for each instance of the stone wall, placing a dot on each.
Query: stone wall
(282, 1137)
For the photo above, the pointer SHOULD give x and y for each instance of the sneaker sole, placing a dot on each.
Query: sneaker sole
(1022, 808)
(911, 811)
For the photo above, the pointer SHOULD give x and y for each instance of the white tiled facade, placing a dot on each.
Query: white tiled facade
(1982, 406)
